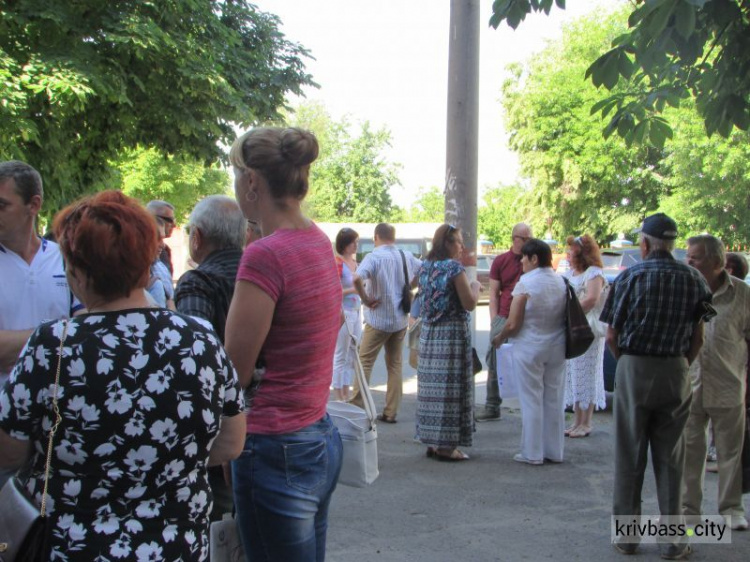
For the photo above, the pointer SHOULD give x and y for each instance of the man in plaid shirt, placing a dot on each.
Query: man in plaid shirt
(655, 311)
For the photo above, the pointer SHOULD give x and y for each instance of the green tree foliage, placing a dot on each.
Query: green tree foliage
(82, 81)
(709, 180)
(672, 50)
(581, 182)
(429, 206)
(147, 174)
(503, 207)
(351, 179)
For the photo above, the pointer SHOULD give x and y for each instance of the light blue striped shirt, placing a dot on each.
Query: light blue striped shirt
(383, 272)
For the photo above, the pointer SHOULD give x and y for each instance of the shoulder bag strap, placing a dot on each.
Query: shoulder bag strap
(364, 387)
(406, 272)
(58, 419)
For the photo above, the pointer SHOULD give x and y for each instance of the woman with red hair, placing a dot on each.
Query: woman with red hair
(584, 388)
(147, 399)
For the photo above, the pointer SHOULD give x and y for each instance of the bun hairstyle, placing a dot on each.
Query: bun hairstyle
(281, 156)
(111, 238)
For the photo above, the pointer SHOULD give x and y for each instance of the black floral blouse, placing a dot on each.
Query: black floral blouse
(141, 396)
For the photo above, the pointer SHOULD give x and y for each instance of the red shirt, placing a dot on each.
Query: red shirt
(507, 269)
(296, 268)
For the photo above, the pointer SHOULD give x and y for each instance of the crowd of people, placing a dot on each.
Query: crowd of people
(180, 404)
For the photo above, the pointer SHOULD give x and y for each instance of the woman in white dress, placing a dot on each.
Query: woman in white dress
(536, 328)
(584, 376)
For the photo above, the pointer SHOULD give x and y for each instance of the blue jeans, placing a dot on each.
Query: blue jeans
(282, 489)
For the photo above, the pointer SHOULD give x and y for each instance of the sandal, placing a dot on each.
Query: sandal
(569, 430)
(386, 419)
(581, 431)
(453, 456)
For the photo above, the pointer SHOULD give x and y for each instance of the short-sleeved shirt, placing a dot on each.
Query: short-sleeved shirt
(33, 293)
(506, 268)
(383, 269)
(438, 291)
(141, 396)
(655, 306)
(719, 371)
(160, 286)
(351, 300)
(544, 314)
(297, 269)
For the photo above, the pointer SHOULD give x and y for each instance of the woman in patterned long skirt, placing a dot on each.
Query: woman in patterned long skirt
(445, 395)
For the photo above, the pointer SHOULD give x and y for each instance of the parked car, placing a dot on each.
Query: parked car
(615, 262)
(419, 247)
(484, 263)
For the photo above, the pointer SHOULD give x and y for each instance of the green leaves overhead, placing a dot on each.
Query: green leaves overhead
(87, 80)
(513, 12)
(655, 154)
(696, 48)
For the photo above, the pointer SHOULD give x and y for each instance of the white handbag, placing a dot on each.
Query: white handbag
(597, 326)
(359, 434)
(225, 543)
(506, 374)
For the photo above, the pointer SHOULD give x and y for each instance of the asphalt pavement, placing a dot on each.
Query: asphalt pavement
(490, 507)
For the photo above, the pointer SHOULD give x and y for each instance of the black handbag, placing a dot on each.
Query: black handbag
(476, 363)
(24, 525)
(405, 305)
(578, 334)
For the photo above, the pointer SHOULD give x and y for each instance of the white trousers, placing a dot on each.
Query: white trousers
(540, 374)
(346, 349)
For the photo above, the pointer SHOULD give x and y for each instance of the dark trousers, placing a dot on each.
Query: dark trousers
(493, 389)
(651, 407)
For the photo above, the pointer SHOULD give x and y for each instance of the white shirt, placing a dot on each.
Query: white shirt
(33, 293)
(383, 271)
(544, 315)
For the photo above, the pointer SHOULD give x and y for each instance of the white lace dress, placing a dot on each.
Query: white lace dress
(584, 375)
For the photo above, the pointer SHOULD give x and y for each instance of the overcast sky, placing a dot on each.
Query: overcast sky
(386, 61)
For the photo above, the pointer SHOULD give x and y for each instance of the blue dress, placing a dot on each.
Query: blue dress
(445, 388)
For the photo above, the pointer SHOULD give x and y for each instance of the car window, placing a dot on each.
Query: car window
(611, 261)
(413, 247)
(484, 263)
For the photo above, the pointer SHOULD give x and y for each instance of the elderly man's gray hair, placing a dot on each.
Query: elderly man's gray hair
(713, 247)
(655, 243)
(220, 221)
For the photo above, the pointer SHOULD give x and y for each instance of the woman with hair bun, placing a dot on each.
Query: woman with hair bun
(286, 313)
(147, 397)
(584, 375)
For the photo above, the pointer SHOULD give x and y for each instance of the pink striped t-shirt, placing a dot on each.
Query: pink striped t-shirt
(296, 268)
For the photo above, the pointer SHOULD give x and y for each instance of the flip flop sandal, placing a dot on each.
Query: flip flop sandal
(454, 456)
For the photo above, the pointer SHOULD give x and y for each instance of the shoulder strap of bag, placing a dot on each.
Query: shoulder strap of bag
(364, 388)
(403, 262)
(58, 419)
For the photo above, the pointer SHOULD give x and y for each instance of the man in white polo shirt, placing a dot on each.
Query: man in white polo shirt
(34, 287)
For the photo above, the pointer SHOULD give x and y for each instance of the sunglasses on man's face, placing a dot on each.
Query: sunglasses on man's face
(168, 220)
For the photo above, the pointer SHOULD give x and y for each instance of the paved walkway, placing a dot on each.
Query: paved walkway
(491, 508)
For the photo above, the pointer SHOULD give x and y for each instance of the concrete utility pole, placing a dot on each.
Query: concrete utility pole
(463, 123)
